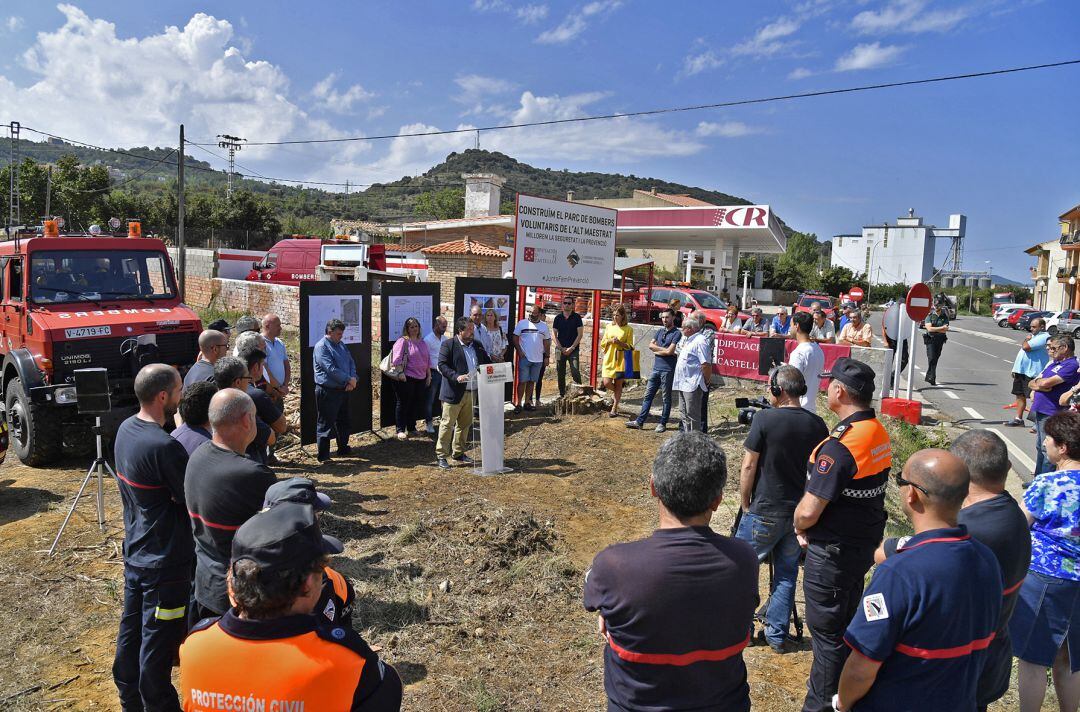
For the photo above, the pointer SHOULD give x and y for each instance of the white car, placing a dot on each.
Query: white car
(1003, 312)
(1069, 315)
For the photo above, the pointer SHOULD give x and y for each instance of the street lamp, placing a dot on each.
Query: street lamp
(870, 270)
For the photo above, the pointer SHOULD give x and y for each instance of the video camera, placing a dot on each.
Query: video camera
(747, 407)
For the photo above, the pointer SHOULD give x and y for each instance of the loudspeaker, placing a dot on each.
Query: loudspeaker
(92, 391)
(770, 353)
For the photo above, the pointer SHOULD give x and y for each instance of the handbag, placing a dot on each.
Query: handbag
(631, 364)
(392, 370)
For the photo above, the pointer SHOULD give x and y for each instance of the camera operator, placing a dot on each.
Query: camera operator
(840, 520)
(771, 484)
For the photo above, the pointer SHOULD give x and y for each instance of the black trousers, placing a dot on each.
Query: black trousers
(933, 353)
(903, 358)
(832, 586)
(152, 626)
(410, 395)
(332, 407)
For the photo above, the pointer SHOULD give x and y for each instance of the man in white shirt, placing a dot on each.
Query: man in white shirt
(693, 370)
(824, 331)
(434, 341)
(476, 316)
(532, 339)
(277, 369)
(808, 357)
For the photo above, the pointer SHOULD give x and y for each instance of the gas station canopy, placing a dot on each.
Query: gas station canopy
(747, 228)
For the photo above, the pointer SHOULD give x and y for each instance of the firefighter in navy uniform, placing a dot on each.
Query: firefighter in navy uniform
(336, 602)
(840, 520)
(269, 651)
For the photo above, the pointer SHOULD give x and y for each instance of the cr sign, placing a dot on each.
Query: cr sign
(918, 302)
(856, 294)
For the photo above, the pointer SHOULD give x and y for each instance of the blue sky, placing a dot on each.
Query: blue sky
(1004, 150)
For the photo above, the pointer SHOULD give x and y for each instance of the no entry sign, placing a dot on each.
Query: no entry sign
(918, 302)
(856, 294)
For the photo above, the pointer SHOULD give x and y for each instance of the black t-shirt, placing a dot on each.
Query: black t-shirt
(199, 371)
(150, 469)
(678, 608)
(566, 329)
(784, 439)
(856, 510)
(224, 490)
(266, 412)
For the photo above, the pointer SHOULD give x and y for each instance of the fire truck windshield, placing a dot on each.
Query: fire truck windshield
(91, 275)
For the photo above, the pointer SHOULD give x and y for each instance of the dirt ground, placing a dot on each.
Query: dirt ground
(471, 584)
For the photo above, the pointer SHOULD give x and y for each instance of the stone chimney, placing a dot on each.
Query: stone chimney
(482, 194)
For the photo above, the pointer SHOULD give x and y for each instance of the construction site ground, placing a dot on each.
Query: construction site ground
(470, 584)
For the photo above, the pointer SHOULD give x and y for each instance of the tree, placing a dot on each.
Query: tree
(834, 280)
(444, 204)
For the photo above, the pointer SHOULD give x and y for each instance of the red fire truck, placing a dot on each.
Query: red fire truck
(82, 301)
(297, 259)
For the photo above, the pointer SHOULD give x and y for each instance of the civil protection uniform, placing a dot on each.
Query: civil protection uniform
(849, 469)
(928, 617)
(336, 602)
(283, 664)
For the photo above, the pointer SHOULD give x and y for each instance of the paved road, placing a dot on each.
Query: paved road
(974, 379)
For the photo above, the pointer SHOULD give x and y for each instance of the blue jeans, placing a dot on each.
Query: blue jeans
(1042, 463)
(775, 535)
(657, 381)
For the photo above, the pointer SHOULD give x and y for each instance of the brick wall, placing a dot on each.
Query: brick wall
(445, 269)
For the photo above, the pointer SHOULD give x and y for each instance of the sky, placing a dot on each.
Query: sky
(1001, 150)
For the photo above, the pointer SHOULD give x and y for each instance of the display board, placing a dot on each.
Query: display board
(399, 301)
(558, 243)
(350, 302)
(501, 294)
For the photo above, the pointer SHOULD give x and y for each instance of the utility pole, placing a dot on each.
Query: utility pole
(48, 192)
(745, 286)
(181, 253)
(346, 206)
(14, 206)
(233, 144)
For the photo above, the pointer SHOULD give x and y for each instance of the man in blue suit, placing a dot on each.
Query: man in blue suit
(459, 358)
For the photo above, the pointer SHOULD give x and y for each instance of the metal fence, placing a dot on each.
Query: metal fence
(217, 238)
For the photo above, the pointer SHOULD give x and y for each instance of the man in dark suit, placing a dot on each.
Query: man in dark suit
(459, 358)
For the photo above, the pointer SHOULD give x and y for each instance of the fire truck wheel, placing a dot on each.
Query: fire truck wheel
(33, 430)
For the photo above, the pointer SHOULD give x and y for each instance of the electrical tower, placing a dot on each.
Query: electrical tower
(233, 143)
(14, 207)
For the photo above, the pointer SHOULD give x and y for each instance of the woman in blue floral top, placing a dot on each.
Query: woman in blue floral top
(1045, 628)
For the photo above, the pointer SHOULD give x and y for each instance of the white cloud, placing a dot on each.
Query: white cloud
(800, 73)
(331, 99)
(474, 86)
(910, 16)
(85, 80)
(725, 129)
(530, 14)
(700, 62)
(577, 21)
(769, 40)
(14, 23)
(868, 56)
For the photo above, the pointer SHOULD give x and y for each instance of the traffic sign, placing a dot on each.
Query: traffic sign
(856, 294)
(917, 302)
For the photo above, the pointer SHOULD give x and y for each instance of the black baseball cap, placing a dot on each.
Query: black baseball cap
(219, 325)
(853, 374)
(296, 489)
(284, 535)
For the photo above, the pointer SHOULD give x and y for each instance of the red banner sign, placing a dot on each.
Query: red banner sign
(737, 356)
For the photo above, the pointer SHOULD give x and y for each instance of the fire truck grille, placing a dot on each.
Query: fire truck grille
(177, 349)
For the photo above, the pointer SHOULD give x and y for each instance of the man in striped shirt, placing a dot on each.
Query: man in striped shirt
(670, 644)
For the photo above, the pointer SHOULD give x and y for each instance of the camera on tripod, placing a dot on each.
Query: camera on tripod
(748, 406)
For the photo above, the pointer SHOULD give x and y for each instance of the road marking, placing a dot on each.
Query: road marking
(973, 413)
(992, 337)
(1019, 454)
(951, 395)
(984, 353)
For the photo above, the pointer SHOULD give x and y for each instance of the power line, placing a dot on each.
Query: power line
(673, 110)
(129, 180)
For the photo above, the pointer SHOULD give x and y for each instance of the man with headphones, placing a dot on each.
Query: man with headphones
(771, 483)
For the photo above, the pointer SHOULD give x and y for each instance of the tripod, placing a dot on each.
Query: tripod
(96, 468)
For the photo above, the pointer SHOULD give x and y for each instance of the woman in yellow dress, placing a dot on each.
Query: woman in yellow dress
(618, 338)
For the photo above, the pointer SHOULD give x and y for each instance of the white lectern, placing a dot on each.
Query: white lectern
(491, 385)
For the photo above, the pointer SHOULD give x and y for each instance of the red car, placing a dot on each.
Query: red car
(807, 299)
(1014, 318)
(713, 307)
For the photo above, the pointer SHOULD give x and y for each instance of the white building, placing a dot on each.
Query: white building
(903, 252)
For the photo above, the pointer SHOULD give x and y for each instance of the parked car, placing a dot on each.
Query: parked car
(1001, 316)
(1014, 318)
(1068, 323)
(807, 299)
(1056, 318)
(1024, 322)
(712, 306)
